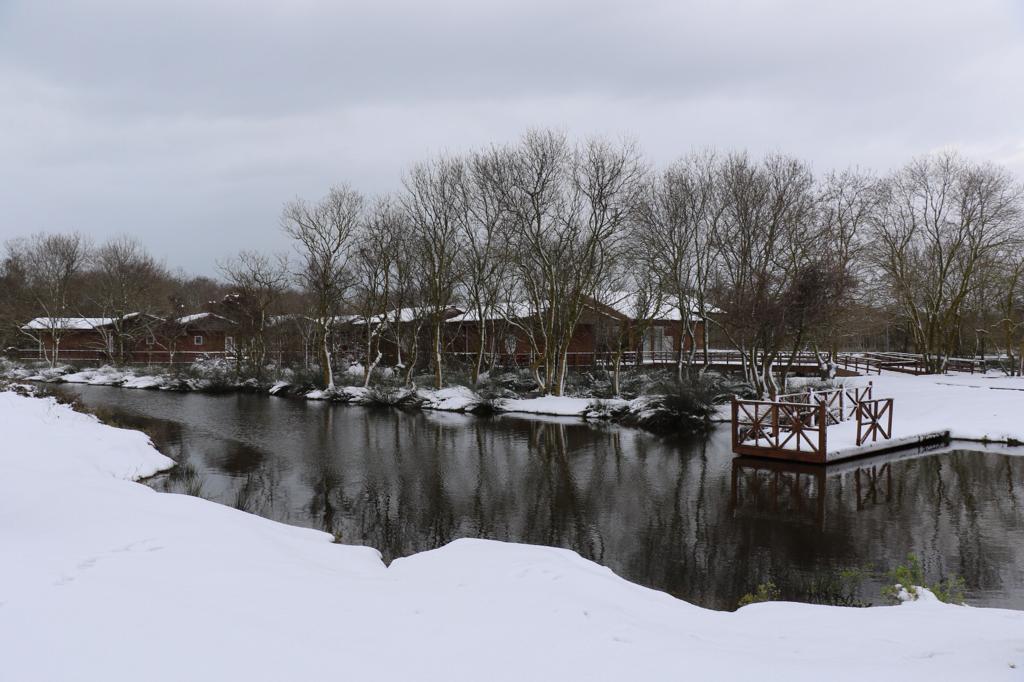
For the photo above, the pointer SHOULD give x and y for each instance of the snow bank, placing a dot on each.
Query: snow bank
(107, 579)
(558, 406)
(454, 399)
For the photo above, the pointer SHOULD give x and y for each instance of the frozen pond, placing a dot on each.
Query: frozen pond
(683, 517)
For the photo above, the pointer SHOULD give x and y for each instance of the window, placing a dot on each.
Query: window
(229, 343)
(657, 341)
(197, 340)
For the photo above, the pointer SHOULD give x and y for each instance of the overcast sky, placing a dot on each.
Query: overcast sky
(188, 123)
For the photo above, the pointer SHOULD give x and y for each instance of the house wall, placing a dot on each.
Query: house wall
(90, 346)
(592, 337)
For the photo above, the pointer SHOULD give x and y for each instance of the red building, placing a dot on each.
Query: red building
(601, 330)
(135, 338)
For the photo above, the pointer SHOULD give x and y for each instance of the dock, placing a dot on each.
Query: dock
(820, 427)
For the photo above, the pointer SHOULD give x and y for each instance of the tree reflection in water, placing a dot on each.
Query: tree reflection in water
(685, 517)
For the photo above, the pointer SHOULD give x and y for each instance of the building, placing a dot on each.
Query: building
(602, 330)
(134, 338)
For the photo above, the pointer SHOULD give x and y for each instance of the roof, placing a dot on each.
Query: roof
(203, 317)
(401, 315)
(625, 303)
(66, 323)
(516, 311)
(78, 323)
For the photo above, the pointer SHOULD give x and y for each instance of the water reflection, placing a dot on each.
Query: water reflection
(687, 518)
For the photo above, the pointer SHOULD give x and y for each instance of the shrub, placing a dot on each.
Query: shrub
(765, 592)
(909, 576)
(837, 589)
(951, 590)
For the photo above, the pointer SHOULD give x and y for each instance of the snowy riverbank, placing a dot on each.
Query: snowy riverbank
(449, 399)
(107, 579)
(982, 407)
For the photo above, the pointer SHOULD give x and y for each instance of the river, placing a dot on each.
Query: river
(681, 516)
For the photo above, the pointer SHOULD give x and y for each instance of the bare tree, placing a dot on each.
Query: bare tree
(847, 204)
(941, 219)
(258, 282)
(51, 264)
(323, 234)
(125, 287)
(567, 210)
(379, 240)
(765, 237)
(483, 265)
(636, 295)
(436, 203)
(680, 218)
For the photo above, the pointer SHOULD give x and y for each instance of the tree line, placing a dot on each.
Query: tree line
(774, 258)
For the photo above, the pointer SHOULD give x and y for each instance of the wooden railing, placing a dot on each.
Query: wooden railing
(874, 420)
(780, 429)
(794, 426)
(861, 363)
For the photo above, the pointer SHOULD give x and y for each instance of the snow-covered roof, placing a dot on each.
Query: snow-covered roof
(625, 303)
(66, 323)
(515, 311)
(409, 314)
(78, 323)
(196, 317)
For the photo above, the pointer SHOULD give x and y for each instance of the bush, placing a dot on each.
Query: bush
(837, 589)
(765, 592)
(674, 406)
(952, 590)
(908, 577)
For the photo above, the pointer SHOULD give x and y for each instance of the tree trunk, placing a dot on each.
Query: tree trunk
(438, 371)
(325, 362)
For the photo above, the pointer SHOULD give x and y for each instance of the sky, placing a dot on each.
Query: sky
(189, 123)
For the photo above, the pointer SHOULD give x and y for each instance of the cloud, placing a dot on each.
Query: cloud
(190, 123)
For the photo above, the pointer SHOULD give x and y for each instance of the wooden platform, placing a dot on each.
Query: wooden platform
(820, 427)
(885, 446)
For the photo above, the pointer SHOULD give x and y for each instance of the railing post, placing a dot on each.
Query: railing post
(735, 424)
(888, 431)
(860, 408)
(774, 407)
(822, 430)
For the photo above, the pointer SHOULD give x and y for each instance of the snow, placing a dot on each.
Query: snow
(454, 399)
(76, 323)
(107, 579)
(969, 407)
(558, 406)
(195, 317)
(66, 323)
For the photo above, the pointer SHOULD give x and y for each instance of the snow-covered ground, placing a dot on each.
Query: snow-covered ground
(970, 407)
(105, 579)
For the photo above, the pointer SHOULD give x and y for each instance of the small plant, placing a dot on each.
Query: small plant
(906, 578)
(838, 589)
(765, 592)
(951, 590)
(910, 576)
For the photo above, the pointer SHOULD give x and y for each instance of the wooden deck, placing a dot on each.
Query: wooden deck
(796, 427)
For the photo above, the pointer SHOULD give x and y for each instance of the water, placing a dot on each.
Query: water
(684, 517)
